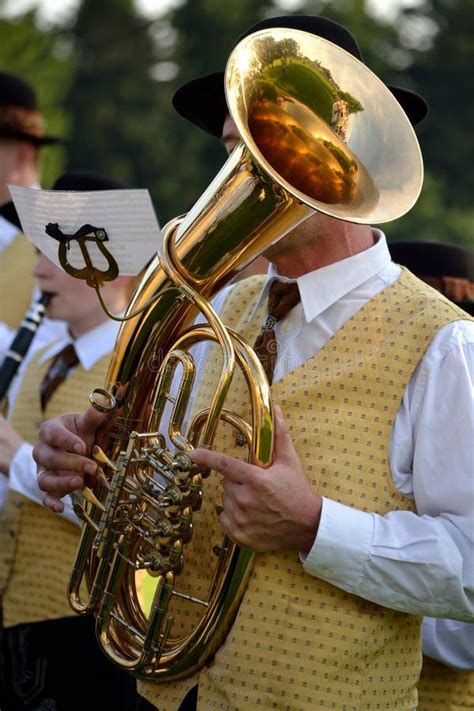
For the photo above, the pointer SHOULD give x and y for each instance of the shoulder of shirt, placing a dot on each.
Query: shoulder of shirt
(452, 337)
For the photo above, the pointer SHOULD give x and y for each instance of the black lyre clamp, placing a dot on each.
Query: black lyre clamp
(87, 233)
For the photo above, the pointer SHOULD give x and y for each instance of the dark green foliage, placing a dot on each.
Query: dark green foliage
(206, 30)
(113, 100)
(445, 73)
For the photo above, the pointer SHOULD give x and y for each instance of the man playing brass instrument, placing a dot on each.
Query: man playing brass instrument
(363, 521)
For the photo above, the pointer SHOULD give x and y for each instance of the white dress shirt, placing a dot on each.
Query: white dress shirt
(418, 563)
(8, 232)
(90, 347)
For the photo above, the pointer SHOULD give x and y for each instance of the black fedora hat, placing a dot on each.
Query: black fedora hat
(87, 181)
(447, 267)
(77, 181)
(20, 117)
(202, 101)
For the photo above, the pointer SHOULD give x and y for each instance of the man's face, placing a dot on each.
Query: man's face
(230, 136)
(8, 150)
(73, 301)
(19, 165)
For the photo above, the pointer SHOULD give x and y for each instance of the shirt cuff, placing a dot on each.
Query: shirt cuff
(22, 473)
(22, 478)
(341, 549)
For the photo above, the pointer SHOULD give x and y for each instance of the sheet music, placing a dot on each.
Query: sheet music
(127, 216)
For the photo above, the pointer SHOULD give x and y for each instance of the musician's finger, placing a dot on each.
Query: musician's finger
(53, 503)
(231, 468)
(57, 434)
(59, 485)
(56, 460)
(90, 421)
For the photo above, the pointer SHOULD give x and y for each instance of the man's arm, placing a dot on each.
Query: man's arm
(418, 563)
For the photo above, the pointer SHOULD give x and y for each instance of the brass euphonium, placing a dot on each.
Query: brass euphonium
(319, 132)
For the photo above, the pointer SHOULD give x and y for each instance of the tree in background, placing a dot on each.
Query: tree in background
(444, 71)
(37, 56)
(112, 99)
(206, 31)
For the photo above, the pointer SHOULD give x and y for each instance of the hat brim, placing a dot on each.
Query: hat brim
(36, 140)
(202, 101)
(436, 259)
(467, 306)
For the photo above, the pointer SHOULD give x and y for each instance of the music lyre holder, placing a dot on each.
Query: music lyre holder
(93, 276)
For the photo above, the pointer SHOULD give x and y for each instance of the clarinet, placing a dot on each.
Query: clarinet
(22, 341)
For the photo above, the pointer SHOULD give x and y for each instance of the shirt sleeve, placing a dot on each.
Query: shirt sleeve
(423, 562)
(449, 642)
(22, 478)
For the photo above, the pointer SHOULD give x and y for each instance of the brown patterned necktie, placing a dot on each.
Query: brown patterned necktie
(57, 373)
(282, 297)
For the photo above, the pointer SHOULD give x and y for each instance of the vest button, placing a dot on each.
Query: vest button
(240, 440)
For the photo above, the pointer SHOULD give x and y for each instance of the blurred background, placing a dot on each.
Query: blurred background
(105, 71)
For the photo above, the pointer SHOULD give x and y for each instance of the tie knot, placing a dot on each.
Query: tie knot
(68, 356)
(282, 297)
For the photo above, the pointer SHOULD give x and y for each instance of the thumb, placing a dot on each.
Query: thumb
(90, 422)
(284, 448)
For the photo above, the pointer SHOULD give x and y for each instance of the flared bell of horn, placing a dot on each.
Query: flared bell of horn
(320, 124)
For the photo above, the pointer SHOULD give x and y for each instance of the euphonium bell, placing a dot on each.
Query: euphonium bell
(319, 132)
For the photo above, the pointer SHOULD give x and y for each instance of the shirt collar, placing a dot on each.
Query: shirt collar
(90, 347)
(323, 287)
(8, 232)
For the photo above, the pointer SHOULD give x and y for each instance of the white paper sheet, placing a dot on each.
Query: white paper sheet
(127, 216)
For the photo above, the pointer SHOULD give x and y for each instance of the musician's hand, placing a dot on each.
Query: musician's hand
(10, 443)
(63, 454)
(267, 509)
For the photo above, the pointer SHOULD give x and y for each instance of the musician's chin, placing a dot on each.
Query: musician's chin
(52, 309)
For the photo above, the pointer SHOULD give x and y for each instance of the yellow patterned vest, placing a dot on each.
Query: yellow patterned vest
(298, 642)
(17, 262)
(444, 689)
(37, 546)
